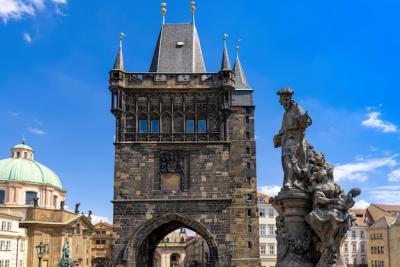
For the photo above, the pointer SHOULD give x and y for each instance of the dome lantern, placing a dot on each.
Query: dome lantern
(22, 151)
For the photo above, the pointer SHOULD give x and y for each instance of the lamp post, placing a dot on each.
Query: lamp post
(41, 250)
(231, 251)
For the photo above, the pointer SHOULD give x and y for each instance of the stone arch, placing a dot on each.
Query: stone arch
(143, 243)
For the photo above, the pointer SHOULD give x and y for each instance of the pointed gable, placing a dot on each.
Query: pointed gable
(178, 50)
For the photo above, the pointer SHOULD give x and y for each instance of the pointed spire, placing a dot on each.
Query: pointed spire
(119, 61)
(193, 10)
(163, 11)
(240, 76)
(225, 64)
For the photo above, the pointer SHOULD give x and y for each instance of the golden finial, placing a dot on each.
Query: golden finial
(193, 6)
(163, 11)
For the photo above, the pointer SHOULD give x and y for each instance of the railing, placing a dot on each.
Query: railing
(172, 137)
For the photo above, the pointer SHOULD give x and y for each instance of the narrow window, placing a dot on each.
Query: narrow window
(248, 135)
(248, 166)
(142, 126)
(29, 196)
(201, 126)
(155, 125)
(249, 212)
(249, 228)
(248, 150)
(189, 126)
(2, 196)
(18, 154)
(55, 200)
(249, 244)
(25, 155)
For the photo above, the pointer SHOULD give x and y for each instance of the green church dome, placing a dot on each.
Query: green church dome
(23, 168)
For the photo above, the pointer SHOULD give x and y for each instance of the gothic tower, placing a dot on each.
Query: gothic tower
(184, 153)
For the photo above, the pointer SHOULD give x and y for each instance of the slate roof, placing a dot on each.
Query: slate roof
(240, 77)
(178, 50)
(225, 64)
(119, 61)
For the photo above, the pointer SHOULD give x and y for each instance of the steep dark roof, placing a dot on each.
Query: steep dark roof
(178, 49)
(225, 64)
(119, 61)
(240, 76)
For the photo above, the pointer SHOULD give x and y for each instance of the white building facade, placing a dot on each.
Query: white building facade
(267, 227)
(354, 248)
(12, 242)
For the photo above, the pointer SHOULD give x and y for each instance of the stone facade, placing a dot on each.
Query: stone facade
(184, 158)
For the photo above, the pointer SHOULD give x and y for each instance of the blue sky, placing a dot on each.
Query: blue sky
(341, 57)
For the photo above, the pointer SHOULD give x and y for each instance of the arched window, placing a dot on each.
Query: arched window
(2, 196)
(29, 197)
(143, 127)
(55, 200)
(202, 126)
(189, 125)
(18, 155)
(130, 123)
(155, 124)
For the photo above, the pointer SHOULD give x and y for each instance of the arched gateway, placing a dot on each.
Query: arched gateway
(184, 153)
(143, 243)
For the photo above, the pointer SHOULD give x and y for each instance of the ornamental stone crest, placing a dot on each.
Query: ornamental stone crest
(171, 162)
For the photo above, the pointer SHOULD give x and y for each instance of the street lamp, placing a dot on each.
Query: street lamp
(41, 250)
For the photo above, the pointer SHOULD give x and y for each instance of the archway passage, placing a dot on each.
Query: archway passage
(147, 237)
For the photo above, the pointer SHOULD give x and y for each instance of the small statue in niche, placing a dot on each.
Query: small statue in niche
(170, 162)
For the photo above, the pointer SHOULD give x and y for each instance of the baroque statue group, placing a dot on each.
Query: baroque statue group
(313, 209)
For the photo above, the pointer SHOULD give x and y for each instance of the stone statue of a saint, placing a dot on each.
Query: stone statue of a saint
(313, 209)
(65, 260)
(291, 138)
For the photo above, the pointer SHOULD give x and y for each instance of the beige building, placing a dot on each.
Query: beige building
(171, 251)
(102, 244)
(267, 227)
(197, 252)
(32, 193)
(12, 241)
(383, 235)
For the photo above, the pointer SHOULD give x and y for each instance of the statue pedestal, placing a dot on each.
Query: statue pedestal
(295, 244)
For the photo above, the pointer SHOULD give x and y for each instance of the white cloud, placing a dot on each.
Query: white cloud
(36, 131)
(15, 9)
(394, 176)
(361, 204)
(374, 121)
(359, 171)
(97, 219)
(27, 37)
(18, 9)
(60, 2)
(385, 194)
(272, 190)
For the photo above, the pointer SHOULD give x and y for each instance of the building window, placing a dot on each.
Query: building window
(262, 249)
(248, 150)
(25, 155)
(202, 126)
(2, 196)
(249, 212)
(9, 225)
(353, 234)
(271, 229)
(262, 212)
(249, 228)
(362, 247)
(142, 126)
(271, 213)
(354, 247)
(248, 166)
(362, 234)
(29, 197)
(248, 135)
(249, 244)
(262, 229)
(55, 200)
(189, 126)
(271, 249)
(155, 125)
(346, 247)
(18, 154)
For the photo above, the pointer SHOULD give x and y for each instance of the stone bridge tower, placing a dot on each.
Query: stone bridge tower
(184, 153)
